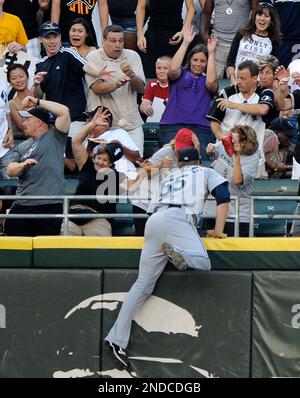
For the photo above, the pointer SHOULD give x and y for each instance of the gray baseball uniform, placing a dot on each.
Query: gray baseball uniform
(176, 208)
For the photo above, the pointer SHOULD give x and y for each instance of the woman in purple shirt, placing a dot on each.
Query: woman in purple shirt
(191, 91)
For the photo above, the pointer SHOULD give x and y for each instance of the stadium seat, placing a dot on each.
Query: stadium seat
(274, 227)
(282, 187)
(151, 131)
(123, 226)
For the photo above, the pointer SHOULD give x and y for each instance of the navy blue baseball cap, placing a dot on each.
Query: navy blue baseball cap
(49, 27)
(282, 124)
(40, 113)
(114, 149)
(188, 154)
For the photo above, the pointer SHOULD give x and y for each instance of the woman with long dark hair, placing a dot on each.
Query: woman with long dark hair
(259, 37)
(81, 37)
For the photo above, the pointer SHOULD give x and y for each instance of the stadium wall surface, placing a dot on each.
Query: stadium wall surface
(59, 296)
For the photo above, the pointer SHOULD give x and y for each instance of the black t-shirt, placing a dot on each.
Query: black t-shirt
(121, 8)
(90, 184)
(78, 9)
(165, 15)
(26, 10)
(64, 82)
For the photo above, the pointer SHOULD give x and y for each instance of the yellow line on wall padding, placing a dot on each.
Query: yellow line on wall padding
(86, 242)
(15, 243)
(253, 244)
(229, 244)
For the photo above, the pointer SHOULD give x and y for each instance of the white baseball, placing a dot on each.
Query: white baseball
(122, 123)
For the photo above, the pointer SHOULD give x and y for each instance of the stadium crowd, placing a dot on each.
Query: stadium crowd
(82, 110)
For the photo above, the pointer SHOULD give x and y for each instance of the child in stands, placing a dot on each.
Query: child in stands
(158, 87)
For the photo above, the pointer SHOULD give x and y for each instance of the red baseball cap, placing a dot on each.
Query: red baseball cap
(183, 139)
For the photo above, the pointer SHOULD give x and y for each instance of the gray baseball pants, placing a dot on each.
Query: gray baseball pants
(172, 225)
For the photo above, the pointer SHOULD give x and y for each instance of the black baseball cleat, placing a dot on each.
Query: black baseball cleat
(118, 353)
(174, 256)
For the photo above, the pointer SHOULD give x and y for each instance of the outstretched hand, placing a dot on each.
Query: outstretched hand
(106, 74)
(212, 44)
(282, 74)
(188, 34)
(101, 117)
(223, 104)
(212, 233)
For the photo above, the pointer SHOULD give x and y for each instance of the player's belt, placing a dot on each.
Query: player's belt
(178, 206)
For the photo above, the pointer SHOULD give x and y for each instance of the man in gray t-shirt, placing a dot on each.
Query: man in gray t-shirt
(39, 164)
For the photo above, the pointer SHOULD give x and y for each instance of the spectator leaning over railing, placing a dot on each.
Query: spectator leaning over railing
(97, 175)
(155, 169)
(237, 161)
(39, 164)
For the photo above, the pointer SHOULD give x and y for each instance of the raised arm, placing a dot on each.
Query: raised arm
(211, 72)
(61, 112)
(79, 152)
(176, 61)
(55, 11)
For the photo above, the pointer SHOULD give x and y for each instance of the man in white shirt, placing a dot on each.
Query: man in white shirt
(120, 94)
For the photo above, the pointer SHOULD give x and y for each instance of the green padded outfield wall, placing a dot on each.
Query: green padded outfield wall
(39, 339)
(124, 252)
(192, 326)
(15, 252)
(52, 323)
(276, 324)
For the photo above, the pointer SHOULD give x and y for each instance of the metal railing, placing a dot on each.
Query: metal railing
(270, 216)
(65, 215)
